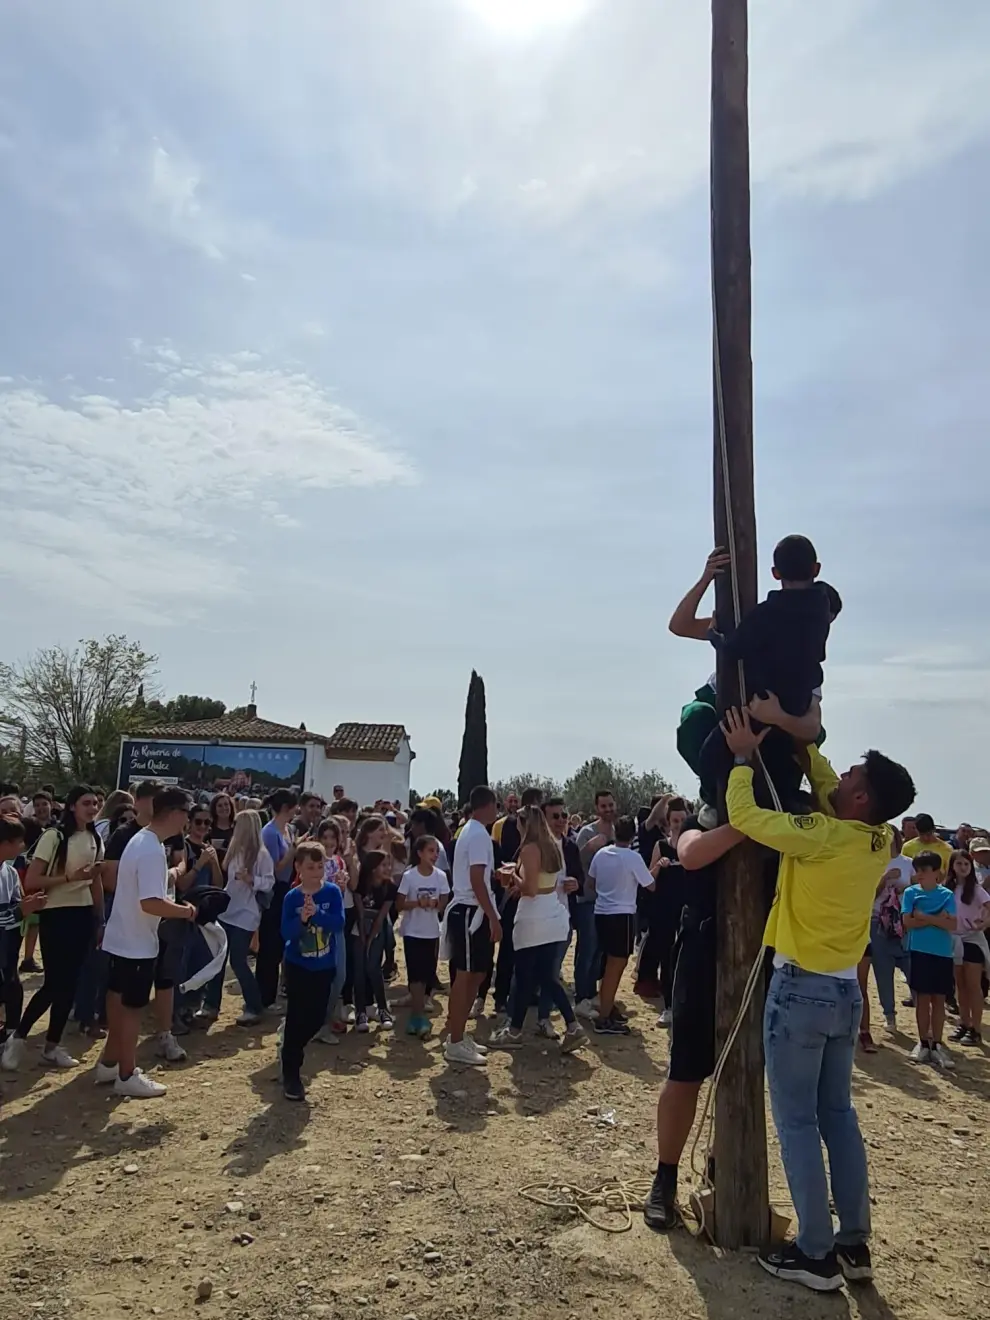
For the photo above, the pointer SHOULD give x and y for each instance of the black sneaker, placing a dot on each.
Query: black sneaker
(855, 1262)
(611, 1026)
(959, 1034)
(789, 1262)
(660, 1210)
(618, 1016)
(28, 966)
(293, 1089)
(970, 1037)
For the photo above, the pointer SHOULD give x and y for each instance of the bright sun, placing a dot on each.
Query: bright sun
(525, 18)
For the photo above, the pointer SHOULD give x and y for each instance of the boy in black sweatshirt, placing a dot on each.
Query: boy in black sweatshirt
(782, 646)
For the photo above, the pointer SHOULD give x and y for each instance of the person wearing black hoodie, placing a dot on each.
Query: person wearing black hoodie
(781, 643)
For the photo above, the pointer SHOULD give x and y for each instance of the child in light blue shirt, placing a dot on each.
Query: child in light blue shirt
(928, 912)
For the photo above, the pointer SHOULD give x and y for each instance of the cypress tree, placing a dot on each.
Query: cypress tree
(473, 768)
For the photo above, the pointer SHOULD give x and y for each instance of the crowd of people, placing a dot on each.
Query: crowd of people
(126, 894)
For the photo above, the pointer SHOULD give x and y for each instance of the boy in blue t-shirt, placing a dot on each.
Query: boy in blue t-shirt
(929, 913)
(312, 918)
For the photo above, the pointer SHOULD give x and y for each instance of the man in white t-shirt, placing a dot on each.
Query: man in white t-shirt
(131, 941)
(472, 924)
(615, 876)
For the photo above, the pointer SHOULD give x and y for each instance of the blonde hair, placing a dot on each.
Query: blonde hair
(245, 842)
(536, 830)
(118, 798)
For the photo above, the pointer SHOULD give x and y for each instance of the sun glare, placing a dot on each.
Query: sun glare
(526, 18)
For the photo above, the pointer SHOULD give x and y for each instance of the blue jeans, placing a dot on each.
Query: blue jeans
(586, 953)
(91, 989)
(810, 1029)
(887, 952)
(337, 989)
(238, 947)
(195, 956)
(539, 966)
(546, 997)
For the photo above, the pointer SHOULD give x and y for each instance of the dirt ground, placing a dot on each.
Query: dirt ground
(394, 1191)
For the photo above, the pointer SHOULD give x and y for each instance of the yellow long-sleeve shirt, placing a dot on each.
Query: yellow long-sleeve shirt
(829, 872)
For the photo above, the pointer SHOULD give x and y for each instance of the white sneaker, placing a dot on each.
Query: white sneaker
(169, 1048)
(327, 1036)
(248, 1019)
(941, 1058)
(430, 1005)
(920, 1054)
(350, 1017)
(58, 1058)
(478, 1008)
(463, 1051)
(104, 1075)
(586, 1009)
(545, 1029)
(478, 1048)
(507, 1039)
(13, 1054)
(139, 1087)
(891, 1023)
(665, 1018)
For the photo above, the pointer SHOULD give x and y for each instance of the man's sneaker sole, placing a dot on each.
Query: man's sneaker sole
(794, 1274)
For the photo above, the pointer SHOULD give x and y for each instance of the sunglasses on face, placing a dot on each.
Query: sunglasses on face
(201, 821)
(558, 815)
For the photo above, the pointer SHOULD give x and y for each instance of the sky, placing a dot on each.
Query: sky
(349, 345)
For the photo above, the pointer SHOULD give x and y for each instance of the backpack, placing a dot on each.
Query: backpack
(29, 855)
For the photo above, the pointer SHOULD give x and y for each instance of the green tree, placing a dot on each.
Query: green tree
(448, 800)
(473, 767)
(630, 789)
(516, 784)
(182, 709)
(73, 706)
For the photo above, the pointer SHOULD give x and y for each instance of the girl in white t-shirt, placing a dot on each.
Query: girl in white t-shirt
(250, 881)
(423, 893)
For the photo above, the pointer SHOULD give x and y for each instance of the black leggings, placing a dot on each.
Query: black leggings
(10, 983)
(66, 937)
(657, 954)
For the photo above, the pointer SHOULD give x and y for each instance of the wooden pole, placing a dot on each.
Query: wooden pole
(741, 1189)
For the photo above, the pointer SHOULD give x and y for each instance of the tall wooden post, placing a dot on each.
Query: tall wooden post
(741, 1190)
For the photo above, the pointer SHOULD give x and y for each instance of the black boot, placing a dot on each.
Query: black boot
(660, 1211)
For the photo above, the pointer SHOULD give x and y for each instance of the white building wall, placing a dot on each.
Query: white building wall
(364, 781)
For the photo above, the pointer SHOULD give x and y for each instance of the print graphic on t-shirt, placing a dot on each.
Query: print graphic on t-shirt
(314, 941)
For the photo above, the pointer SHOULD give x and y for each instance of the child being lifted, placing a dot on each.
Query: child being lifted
(781, 643)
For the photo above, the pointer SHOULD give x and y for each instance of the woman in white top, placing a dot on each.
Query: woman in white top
(542, 925)
(250, 876)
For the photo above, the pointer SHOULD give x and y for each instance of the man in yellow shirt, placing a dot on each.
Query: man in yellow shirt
(927, 840)
(830, 866)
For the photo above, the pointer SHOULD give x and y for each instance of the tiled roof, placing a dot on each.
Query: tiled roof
(374, 741)
(240, 728)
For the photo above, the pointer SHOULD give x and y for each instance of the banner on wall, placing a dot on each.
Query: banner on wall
(234, 768)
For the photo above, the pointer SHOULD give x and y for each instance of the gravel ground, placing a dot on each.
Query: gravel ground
(394, 1191)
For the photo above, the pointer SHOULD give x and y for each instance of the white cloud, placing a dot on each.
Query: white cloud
(140, 498)
(608, 110)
